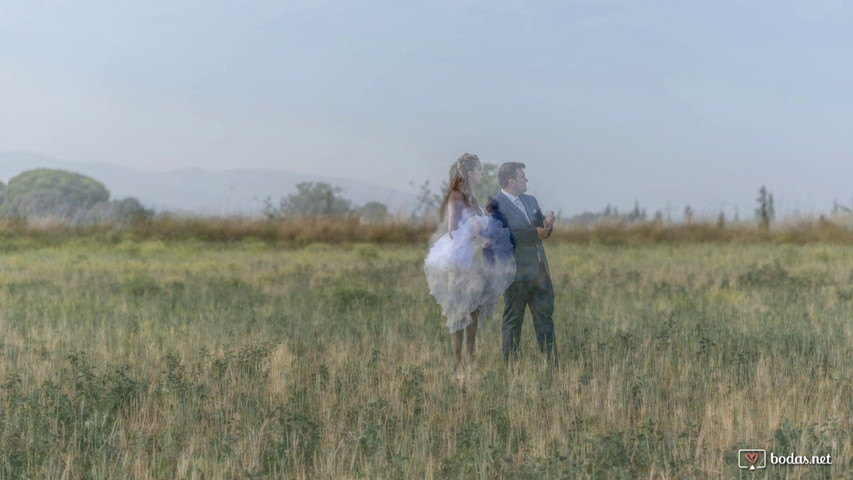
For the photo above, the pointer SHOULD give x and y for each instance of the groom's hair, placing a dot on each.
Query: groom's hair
(508, 170)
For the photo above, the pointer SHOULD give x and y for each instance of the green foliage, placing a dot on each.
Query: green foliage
(489, 185)
(44, 191)
(767, 276)
(373, 212)
(311, 200)
(126, 211)
(428, 202)
(765, 212)
(68, 198)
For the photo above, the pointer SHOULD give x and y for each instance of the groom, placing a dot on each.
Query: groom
(532, 284)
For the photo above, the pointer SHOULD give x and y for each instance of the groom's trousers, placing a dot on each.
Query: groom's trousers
(538, 294)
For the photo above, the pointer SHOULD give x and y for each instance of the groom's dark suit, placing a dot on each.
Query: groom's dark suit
(532, 284)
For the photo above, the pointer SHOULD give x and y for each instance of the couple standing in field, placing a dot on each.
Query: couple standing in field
(486, 254)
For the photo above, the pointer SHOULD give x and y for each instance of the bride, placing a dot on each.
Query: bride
(470, 266)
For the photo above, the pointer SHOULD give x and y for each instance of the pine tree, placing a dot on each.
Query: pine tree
(764, 212)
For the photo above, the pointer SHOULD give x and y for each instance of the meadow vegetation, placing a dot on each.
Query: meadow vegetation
(233, 351)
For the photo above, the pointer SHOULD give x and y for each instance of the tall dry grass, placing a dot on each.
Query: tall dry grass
(190, 359)
(302, 232)
(210, 229)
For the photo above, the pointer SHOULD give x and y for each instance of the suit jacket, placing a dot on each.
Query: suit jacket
(527, 247)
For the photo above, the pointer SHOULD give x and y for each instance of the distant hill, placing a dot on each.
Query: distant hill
(202, 192)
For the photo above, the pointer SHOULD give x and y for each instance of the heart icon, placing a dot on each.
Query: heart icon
(751, 457)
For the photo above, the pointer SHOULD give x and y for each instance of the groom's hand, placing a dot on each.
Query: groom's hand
(549, 219)
(542, 232)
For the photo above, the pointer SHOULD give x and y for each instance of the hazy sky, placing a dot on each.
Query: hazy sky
(668, 103)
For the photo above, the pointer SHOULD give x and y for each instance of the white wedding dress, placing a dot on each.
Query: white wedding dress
(470, 268)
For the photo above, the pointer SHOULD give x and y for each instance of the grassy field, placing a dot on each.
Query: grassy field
(143, 359)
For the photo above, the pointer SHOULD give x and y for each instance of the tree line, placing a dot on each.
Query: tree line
(66, 197)
(323, 200)
(78, 199)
